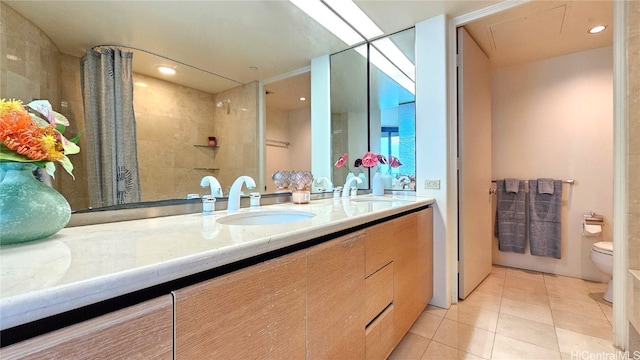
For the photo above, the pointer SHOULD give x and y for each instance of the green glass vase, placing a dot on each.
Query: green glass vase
(29, 209)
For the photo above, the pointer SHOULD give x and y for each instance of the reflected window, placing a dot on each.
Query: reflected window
(373, 107)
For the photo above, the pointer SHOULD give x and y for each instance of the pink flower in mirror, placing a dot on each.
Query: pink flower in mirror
(369, 159)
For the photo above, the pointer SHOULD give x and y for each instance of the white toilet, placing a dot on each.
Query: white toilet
(602, 256)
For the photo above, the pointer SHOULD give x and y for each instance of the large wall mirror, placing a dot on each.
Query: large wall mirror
(373, 109)
(176, 116)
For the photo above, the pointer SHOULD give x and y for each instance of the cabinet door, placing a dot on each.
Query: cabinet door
(253, 313)
(335, 299)
(406, 277)
(143, 331)
(425, 258)
(379, 240)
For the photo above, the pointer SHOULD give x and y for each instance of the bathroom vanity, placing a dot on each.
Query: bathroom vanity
(347, 283)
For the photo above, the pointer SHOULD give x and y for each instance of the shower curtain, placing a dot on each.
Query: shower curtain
(112, 160)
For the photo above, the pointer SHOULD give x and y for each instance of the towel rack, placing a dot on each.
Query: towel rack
(493, 191)
(278, 143)
(568, 181)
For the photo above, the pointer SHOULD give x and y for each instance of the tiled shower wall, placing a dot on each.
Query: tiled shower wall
(633, 158)
(171, 119)
(31, 67)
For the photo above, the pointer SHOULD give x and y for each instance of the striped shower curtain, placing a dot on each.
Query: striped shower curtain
(112, 160)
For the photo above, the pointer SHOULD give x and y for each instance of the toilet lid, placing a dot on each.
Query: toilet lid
(605, 247)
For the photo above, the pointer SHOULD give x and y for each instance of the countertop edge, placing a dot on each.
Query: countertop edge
(36, 305)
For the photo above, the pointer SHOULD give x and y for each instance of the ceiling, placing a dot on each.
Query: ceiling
(542, 29)
(244, 41)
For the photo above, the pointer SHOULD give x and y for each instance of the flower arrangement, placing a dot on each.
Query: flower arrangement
(33, 133)
(369, 160)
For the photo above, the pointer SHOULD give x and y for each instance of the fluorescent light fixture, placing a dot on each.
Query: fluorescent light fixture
(327, 18)
(397, 57)
(355, 17)
(597, 29)
(167, 70)
(384, 65)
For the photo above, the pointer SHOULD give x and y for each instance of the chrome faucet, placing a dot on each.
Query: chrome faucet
(347, 185)
(216, 189)
(328, 185)
(233, 202)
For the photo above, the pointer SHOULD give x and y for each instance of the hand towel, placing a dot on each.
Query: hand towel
(510, 227)
(511, 185)
(545, 211)
(545, 186)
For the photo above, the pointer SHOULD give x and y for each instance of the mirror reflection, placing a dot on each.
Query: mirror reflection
(375, 110)
(173, 122)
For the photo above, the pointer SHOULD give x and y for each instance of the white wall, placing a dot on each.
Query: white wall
(293, 127)
(432, 145)
(554, 118)
(299, 124)
(277, 158)
(321, 162)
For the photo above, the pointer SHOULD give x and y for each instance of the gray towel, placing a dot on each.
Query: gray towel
(510, 227)
(545, 186)
(545, 212)
(511, 185)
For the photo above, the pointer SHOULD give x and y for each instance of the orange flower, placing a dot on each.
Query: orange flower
(21, 134)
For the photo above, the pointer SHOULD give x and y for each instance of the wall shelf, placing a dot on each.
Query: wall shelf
(208, 169)
(206, 146)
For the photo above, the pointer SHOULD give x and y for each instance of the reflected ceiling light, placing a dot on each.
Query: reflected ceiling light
(396, 56)
(140, 84)
(302, 98)
(167, 70)
(327, 18)
(384, 65)
(597, 29)
(353, 15)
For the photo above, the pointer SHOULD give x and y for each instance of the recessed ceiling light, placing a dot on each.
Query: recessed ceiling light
(597, 29)
(302, 98)
(167, 70)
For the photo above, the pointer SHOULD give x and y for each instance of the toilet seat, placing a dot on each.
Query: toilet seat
(603, 247)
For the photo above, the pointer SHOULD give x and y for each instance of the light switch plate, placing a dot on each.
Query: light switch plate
(432, 184)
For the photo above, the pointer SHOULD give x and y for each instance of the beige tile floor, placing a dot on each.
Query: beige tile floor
(517, 314)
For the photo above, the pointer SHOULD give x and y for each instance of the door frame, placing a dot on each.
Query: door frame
(620, 322)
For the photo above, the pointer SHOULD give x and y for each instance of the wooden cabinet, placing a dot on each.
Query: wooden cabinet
(413, 259)
(380, 336)
(143, 331)
(424, 289)
(335, 302)
(378, 292)
(405, 245)
(254, 313)
(353, 297)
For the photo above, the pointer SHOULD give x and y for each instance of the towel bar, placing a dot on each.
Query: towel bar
(568, 181)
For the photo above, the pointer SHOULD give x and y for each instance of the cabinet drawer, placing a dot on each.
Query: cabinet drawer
(380, 336)
(379, 242)
(378, 291)
(142, 331)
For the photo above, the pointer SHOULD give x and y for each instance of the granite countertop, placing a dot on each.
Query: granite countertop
(86, 264)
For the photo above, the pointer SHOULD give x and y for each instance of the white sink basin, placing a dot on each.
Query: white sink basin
(266, 217)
